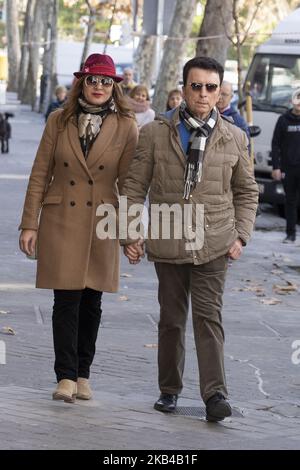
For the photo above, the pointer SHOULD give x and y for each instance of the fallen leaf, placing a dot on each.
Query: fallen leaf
(150, 345)
(271, 301)
(4, 312)
(276, 272)
(123, 297)
(8, 330)
(283, 290)
(256, 288)
(126, 275)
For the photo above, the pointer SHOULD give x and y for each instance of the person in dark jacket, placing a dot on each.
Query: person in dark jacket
(226, 109)
(286, 162)
(61, 95)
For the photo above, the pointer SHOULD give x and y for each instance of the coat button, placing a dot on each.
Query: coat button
(72, 183)
(66, 164)
(89, 203)
(91, 182)
(72, 203)
(101, 167)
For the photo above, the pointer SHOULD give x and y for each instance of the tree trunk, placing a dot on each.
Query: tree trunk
(49, 77)
(13, 44)
(30, 90)
(217, 20)
(25, 46)
(89, 34)
(238, 51)
(144, 60)
(174, 50)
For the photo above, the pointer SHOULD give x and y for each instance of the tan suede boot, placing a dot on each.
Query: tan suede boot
(84, 391)
(66, 390)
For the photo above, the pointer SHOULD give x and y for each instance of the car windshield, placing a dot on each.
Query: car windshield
(273, 79)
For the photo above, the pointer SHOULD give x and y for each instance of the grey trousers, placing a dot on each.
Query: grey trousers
(205, 283)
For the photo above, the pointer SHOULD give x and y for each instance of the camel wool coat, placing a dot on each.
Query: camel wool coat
(69, 253)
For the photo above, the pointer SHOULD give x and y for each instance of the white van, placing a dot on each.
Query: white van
(274, 74)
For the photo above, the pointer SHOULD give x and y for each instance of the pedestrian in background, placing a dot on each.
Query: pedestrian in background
(286, 162)
(61, 95)
(226, 109)
(174, 99)
(128, 83)
(81, 162)
(139, 102)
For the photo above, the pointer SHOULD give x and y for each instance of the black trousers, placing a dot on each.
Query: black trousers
(291, 185)
(76, 319)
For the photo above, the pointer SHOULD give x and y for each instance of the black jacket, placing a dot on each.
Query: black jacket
(286, 142)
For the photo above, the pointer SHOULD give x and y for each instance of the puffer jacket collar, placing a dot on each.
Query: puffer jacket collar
(171, 119)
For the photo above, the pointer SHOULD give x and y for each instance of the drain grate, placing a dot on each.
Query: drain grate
(199, 411)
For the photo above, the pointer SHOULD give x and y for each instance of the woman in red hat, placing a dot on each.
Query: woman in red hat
(82, 160)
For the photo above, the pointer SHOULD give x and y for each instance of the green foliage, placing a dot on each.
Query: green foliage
(2, 35)
(71, 22)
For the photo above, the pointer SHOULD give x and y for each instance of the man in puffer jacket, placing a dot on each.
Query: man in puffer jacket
(195, 163)
(286, 162)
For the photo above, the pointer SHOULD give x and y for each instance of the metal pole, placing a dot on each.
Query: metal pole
(159, 33)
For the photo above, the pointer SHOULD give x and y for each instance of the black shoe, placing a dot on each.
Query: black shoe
(289, 239)
(166, 403)
(217, 408)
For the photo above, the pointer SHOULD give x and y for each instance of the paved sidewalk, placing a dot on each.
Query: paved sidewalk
(263, 382)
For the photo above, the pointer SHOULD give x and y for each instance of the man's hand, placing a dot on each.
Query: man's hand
(27, 241)
(134, 251)
(276, 175)
(236, 249)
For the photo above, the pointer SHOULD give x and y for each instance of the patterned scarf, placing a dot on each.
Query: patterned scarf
(90, 119)
(200, 132)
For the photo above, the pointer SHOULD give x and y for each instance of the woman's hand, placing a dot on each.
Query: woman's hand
(27, 241)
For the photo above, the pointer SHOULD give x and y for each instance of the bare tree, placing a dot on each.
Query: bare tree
(25, 46)
(217, 19)
(174, 49)
(90, 30)
(49, 77)
(144, 60)
(30, 90)
(13, 44)
(240, 37)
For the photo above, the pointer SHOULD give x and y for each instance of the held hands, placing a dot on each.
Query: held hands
(236, 250)
(27, 241)
(135, 251)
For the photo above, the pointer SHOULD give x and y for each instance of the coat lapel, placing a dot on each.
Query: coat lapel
(75, 143)
(104, 139)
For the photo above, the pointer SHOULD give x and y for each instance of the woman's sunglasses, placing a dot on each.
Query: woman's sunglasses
(210, 87)
(95, 80)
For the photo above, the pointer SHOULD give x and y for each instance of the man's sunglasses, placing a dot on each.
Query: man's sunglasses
(210, 87)
(95, 80)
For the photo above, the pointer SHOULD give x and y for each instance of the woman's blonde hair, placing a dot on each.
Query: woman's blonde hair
(139, 89)
(71, 108)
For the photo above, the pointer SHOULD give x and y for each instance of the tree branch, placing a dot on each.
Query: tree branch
(251, 21)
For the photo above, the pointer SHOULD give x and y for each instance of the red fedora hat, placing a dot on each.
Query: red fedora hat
(99, 64)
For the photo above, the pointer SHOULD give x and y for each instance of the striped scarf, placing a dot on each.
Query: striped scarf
(200, 132)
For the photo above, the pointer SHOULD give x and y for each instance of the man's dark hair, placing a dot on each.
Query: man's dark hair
(206, 63)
